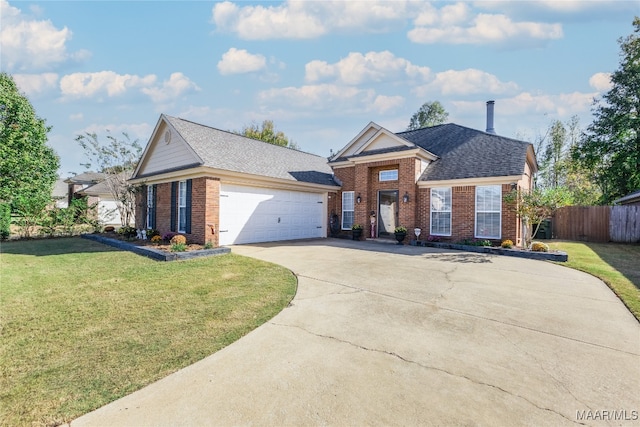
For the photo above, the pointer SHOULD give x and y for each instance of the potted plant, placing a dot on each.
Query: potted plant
(401, 233)
(356, 231)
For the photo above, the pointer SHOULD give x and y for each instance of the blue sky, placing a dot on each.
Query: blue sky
(321, 70)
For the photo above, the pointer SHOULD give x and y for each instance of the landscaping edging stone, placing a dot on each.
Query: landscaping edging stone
(558, 256)
(156, 253)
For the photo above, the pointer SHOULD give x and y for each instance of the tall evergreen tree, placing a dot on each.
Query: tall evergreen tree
(28, 167)
(610, 149)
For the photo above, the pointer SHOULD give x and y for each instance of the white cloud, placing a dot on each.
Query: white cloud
(76, 116)
(238, 61)
(309, 19)
(32, 44)
(85, 85)
(289, 20)
(524, 104)
(456, 25)
(177, 85)
(601, 82)
(357, 68)
(33, 84)
(469, 81)
(338, 99)
(384, 104)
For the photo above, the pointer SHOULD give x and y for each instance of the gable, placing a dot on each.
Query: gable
(373, 138)
(166, 150)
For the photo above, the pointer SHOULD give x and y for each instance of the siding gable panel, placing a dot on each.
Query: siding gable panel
(167, 151)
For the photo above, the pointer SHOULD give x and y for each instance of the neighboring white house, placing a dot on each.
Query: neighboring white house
(95, 187)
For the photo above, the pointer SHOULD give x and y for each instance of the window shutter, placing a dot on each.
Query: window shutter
(188, 214)
(174, 204)
(154, 194)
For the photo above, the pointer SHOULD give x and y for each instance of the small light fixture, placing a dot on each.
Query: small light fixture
(405, 198)
(358, 199)
(514, 185)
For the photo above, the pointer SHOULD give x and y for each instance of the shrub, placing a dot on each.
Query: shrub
(400, 229)
(433, 238)
(539, 247)
(128, 232)
(208, 245)
(178, 239)
(156, 239)
(5, 221)
(152, 232)
(178, 247)
(507, 244)
(356, 227)
(475, 242)
(168, 236)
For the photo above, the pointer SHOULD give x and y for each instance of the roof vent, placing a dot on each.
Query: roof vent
(490, 128)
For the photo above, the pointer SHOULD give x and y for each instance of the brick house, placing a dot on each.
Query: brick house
(447, 180)
(220, 187)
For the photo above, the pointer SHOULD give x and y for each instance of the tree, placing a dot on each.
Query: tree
(267, 133)
(28, 167)
(610, 148)
(558, 168)
(118, 159)
(534, 206)
(430, 114)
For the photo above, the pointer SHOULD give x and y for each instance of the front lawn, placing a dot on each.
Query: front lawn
(614, 263)
(83, 324)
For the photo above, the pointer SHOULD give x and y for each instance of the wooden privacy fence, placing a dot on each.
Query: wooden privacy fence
(598, 223)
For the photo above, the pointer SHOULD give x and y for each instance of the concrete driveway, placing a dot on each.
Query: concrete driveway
(388, 335)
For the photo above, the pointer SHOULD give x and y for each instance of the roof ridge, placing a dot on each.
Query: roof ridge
(244, 136)
(492, 135)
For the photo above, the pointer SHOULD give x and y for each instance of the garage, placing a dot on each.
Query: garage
(254, 214)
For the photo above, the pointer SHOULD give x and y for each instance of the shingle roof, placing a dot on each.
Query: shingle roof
(628, 198)
(232, 152)
(104, 187)
(86, 178)
(468, 153)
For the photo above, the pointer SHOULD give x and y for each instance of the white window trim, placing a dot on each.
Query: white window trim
(347, 210)
(182, 187)
(450, 212)
(499, 212)
(149, 204)
(388, 170)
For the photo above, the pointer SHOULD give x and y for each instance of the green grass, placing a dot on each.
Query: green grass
(83, 324)
(615, 264)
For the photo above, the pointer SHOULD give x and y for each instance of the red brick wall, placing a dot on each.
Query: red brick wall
(205, 209)
(363, 180)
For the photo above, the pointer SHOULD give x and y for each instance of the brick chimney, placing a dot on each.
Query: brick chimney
(490, 128)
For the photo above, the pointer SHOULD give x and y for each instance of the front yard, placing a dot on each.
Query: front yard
(83, 324)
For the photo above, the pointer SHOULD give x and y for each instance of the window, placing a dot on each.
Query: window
(151, 209)
(441, 211)
(347, 210)
(182, 206)
(488, 211)
(388, 175)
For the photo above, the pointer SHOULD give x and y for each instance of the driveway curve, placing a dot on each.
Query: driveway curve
(394, 335)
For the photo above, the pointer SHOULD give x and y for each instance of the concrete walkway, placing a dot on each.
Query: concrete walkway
(395, 335)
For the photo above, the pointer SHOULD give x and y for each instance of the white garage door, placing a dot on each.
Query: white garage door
(252, 215)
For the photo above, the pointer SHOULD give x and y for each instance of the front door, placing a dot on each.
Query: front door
(387, 212)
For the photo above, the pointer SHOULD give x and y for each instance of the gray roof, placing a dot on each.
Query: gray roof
(232, 152)
(86, 178)
(60, 189)
(468, 153)
(629, 198)
(104, 187)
